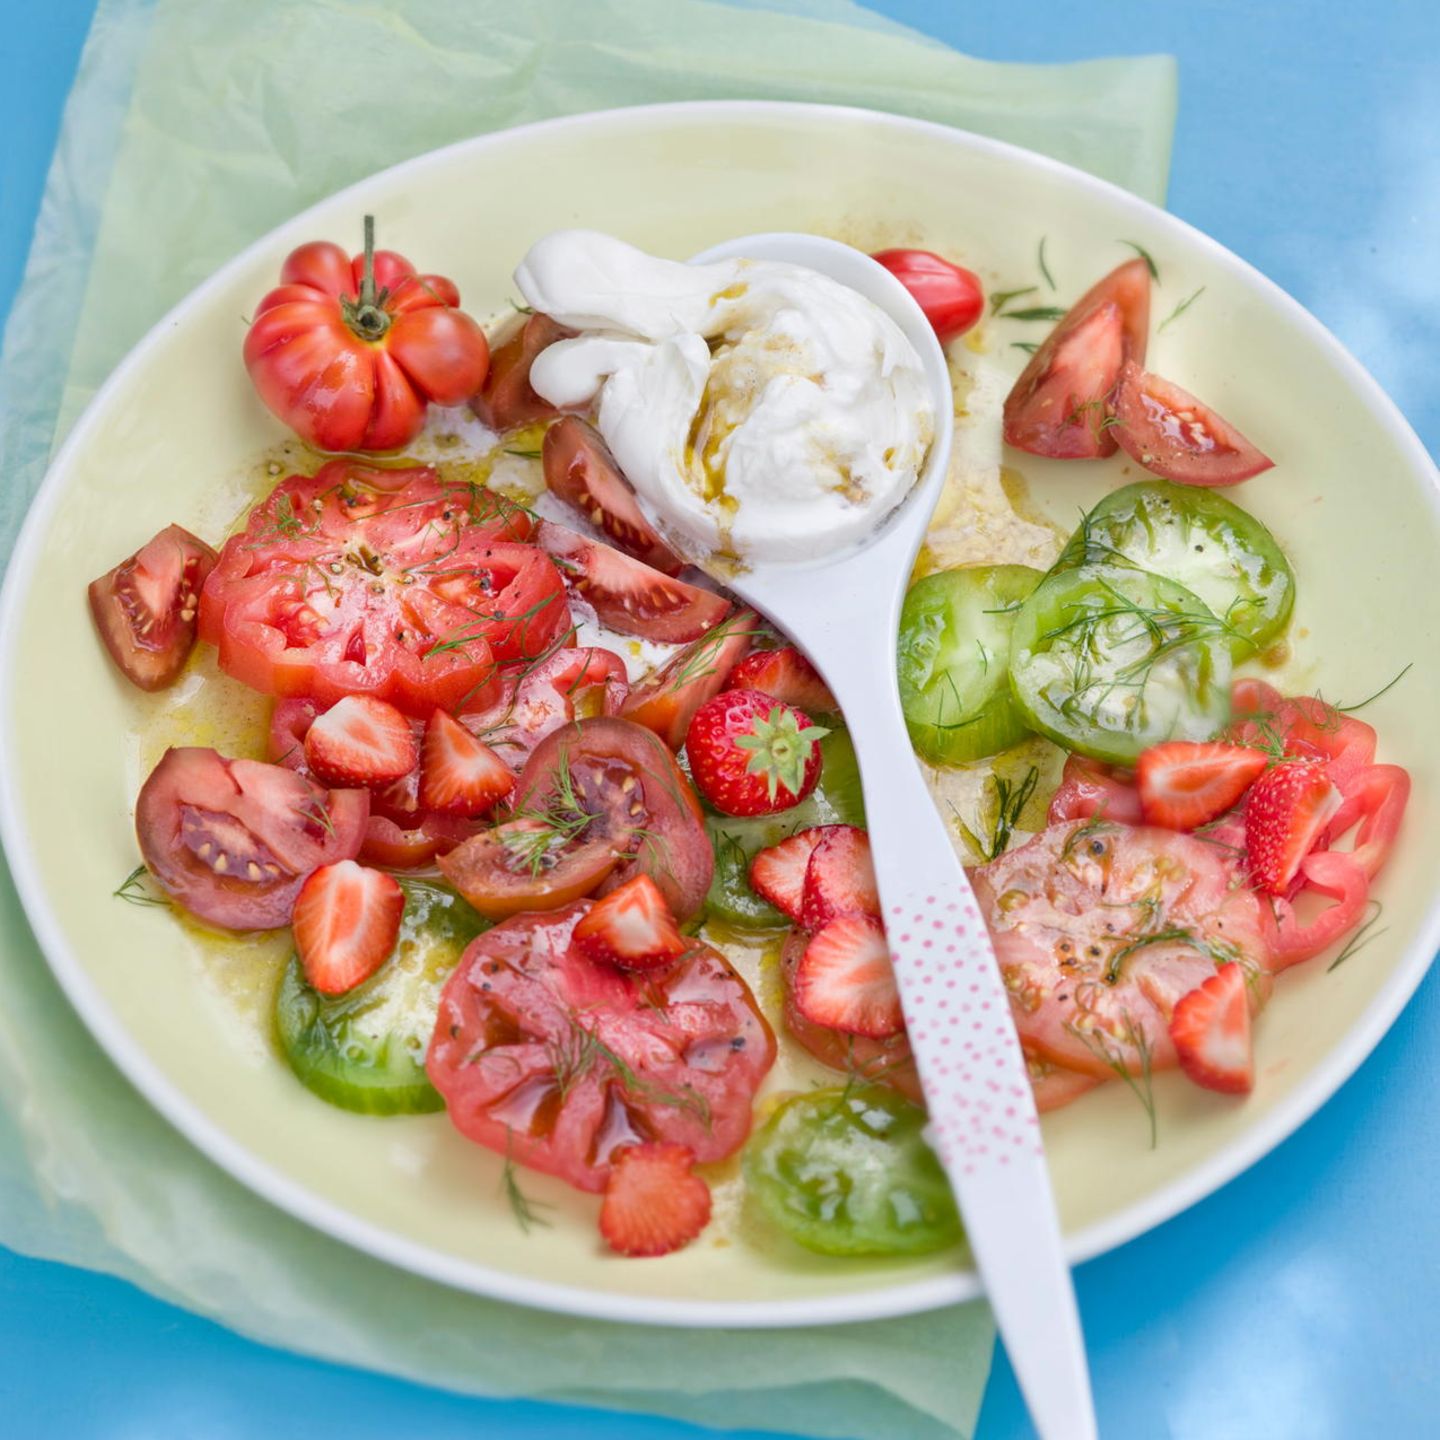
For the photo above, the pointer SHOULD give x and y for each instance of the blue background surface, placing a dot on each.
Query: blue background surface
(1300, 1302)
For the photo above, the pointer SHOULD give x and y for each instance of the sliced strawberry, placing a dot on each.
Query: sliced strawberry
(1211, 1031)
(840, 878)
(845, 980)
(1285, 817)
(633, 927)
(629, 595)
(460, 775)
(1185, 783)
(361, 741)
(654, 1202)
(346, 922)
(778, 874)
(784, 674)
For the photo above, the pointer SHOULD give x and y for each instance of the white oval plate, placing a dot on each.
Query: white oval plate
(175, 429)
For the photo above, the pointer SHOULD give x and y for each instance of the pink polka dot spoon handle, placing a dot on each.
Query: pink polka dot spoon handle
(844, 611)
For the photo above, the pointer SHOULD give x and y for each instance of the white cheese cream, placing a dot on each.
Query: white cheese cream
(762, 411)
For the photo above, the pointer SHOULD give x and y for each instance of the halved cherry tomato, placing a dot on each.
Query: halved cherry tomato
(350, 353)
(532, 864)
(145, 607)
(1058, 405)
(666, 700)
(560, 1062)
(1334, 874)
(1090, 787)
(569, 685)
(233, 840)
(506, 401)
(1171, 433)
(400, 834)
(1100, 929)
(580, 469)
(628, 595)
(951, 296)
(392, 583)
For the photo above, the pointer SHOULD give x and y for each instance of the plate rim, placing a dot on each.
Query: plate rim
(332, 1219)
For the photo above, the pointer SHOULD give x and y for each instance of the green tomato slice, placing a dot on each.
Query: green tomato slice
(365, 1050)
(954, 661)
(1108, 661)
(848, 1172)
(1198, 539)
(836, 800)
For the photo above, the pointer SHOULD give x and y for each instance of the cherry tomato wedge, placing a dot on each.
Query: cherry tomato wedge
(1100, 929)
(1058, 405)
(233, 840)
(145, 607)
(506, 401)
(384, 582)
(1171, 433)
(666, 700)
(580, 469)
(569, 685)
(628, 595)
(952, 297)
(350, 353)
(530, 864)
(559, 1062)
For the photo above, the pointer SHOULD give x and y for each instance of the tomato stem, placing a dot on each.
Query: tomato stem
(366, 316)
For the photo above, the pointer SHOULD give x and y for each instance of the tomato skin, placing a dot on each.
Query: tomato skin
(320, 371)
(1334, 874)
(490, 870)
(145, 607)
(1174, 435)
(273, 827)
(952, 297)
(384, 582)
(675, 850)
(580, 469)
(514, 1051)
(1057, 406)
(666, 700)
(506, 401)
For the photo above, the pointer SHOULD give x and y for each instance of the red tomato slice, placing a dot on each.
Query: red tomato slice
(1090, 787)
(1055, 1086)
(1172, 434)
(145, 607)
(1375, 798)
(629, 596)
(568, 685)
(580, 469)
(1302, 725)
(666, 700)
(1333, 874)
(392, 583)
(1100, 929)
(506, 401)
(233, 840)
(560, 1062)
(1058, 405)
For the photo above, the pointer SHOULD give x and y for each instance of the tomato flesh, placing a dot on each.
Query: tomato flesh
(145, 607)
(506, 401)
(1172, 434)
(391, 583)
(559, 1062)
(580, 469)
(233, 840)
(1100, 929)
(1057, 406)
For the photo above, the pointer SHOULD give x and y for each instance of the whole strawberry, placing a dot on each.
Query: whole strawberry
(751, 754)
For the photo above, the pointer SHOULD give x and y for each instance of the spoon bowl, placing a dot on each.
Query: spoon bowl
(843, 610)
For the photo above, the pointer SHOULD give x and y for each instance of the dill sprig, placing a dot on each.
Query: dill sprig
(1180, 309)
(1142, 1085)
(525, 1210)
(1218, 951)
(1145, 255)
(1044, 268)
(1361, 938)
(1095, 824)
(1035, 312)
(1370, 699)
(1011, 798)
(1001, 298)
(1028, 346)
(132, 889)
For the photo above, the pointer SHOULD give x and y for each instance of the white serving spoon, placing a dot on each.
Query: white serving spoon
(844, 612)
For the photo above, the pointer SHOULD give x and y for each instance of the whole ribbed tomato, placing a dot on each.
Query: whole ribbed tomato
(350, 352)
